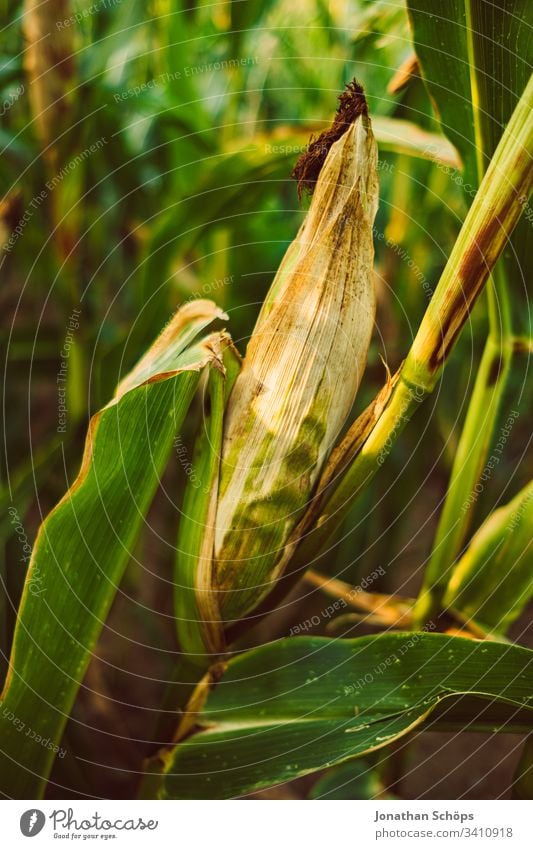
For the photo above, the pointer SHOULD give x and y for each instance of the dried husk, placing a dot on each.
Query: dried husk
(300, 376)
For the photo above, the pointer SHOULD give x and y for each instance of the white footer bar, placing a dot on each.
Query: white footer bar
(268, 824)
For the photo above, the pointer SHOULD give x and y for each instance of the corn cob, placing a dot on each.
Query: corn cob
(300, 376)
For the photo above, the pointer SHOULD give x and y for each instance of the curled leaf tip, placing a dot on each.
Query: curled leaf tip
(352, 104)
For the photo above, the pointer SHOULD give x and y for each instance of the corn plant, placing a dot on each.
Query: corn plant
(280, 462)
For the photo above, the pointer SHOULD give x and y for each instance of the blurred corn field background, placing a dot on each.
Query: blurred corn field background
(147, 153)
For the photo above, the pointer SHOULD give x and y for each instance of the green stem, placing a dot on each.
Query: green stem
(183, 685)
(185, 677)
(470, 462)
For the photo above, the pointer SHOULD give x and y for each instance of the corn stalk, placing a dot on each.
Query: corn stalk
(476, 139)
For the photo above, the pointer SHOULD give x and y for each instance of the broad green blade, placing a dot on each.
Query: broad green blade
(302, 704)
(493, 580)
(84, 544)
(199, 625)
(476, 60)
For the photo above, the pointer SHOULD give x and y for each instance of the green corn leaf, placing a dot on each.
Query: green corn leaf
(493, 580)
(476, 60)
(198, 621)
(84, 544)
(200, 629)
(302, 704)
